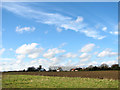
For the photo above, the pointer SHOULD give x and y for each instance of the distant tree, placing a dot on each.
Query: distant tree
(115, 67)
(104, 67)
(53, 70)
(95, 68)
(50, 69)
(31, 69)
(40, 67)
(24, 70)
(79, 69)
(90, 68)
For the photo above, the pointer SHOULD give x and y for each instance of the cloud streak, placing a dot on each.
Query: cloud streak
(87, 47)
(107, 53)
(27, 29)
(61, 22)
(2, 51)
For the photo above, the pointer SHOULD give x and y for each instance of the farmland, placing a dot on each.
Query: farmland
(83, 79)
(83, 74)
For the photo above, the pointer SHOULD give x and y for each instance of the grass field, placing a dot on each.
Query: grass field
(32, 81)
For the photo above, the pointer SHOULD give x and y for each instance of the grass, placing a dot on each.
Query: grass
(30, 81)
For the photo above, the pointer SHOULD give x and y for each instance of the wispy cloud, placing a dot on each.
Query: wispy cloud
(104, 28)
(2, 51)
(69, 55)
(107, 53)
(61, 22)
(62, 45)
(7, 59)
(85, 57)
(110, 62)
(114, 32)
(87, 47)
(46, 32)
(59, 29)
(27, 29)
(92, 33)
(115, 29)
(52, 52)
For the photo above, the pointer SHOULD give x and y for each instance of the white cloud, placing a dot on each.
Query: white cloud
(58, 20)
(104, 28)
(83, 55)
(88, 48)
(69, 63)
(7, 59)
(70, 26)
(101, 37)
(46, 32)
(61, 45)
(46, 63)
(25, 49)
(31, 50)
(21, 30)
(9, 66)
(33, 61)
(41, 61)
(19, 57)
(92, 33)
(110, 62)
(34, 55)
(55, 61)
(11, 49)
(59, 29)
(95, 53)
(107, 52)
(93, 63)
(85, 59)
(18, 61)
(70, 55)
(79, 19)
(114, 32)
(52, 52)
(2, 51)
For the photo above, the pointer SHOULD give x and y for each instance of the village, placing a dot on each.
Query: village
(102, 67)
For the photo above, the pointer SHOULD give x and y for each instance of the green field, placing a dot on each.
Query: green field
(31, 81)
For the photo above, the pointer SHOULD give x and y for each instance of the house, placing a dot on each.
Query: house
(63, 68)
(59, 69)
(76, 69)
(42, 69)
(72, 69)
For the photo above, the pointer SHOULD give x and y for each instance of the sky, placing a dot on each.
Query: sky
(58, 34)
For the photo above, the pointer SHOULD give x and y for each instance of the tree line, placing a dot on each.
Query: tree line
(102, 67)
(89, 68)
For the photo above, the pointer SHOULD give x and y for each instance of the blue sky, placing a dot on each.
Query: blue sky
(59, 34)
